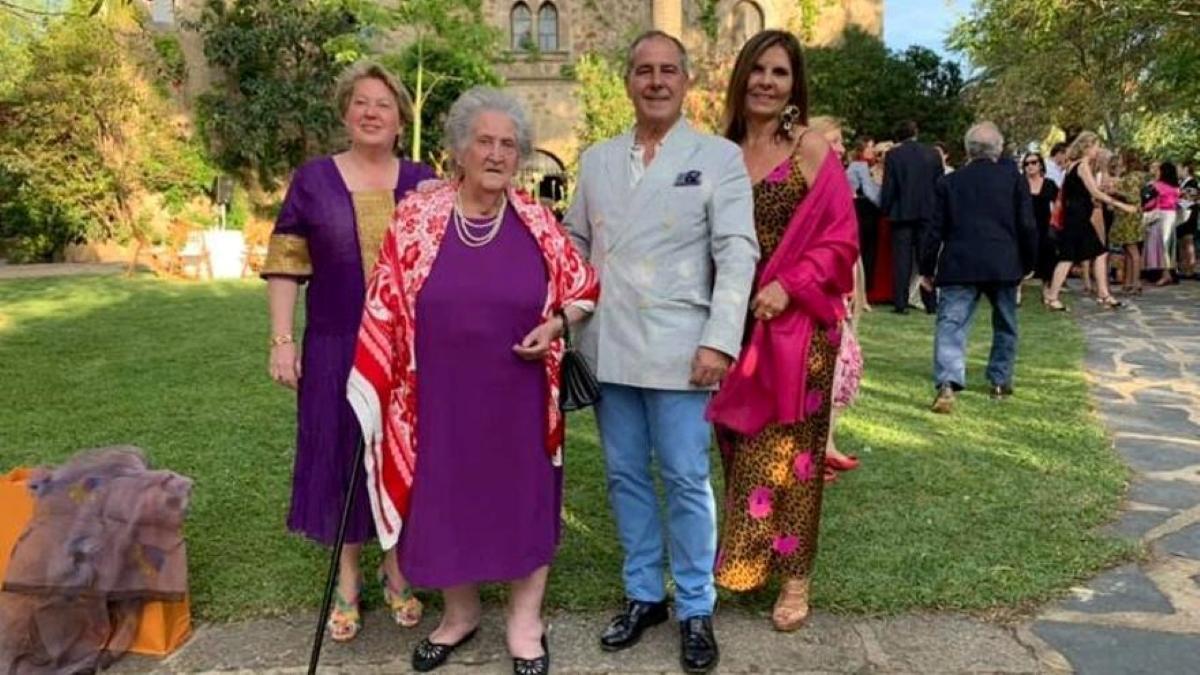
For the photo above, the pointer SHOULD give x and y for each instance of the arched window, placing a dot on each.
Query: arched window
(747, 20)
(548, 27)
(521, 23)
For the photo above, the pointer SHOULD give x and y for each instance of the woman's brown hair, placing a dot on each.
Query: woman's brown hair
(739, 82)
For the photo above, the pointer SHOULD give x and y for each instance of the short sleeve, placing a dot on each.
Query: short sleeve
(287, 251)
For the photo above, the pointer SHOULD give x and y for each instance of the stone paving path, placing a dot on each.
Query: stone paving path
(1144, 363)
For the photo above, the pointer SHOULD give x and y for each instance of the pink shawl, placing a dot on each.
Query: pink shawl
(815, 265)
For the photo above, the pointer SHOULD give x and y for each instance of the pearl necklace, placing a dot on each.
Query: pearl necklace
(463, 226)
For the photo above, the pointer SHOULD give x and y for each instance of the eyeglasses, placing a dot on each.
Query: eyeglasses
(1031, 163)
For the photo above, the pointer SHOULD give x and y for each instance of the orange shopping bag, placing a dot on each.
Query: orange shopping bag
(163, 626)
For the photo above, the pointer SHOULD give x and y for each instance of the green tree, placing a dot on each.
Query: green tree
(871, 88)
(1086, 62)
(449, 47)
(606, 110)
(280, 59)
(88, 146)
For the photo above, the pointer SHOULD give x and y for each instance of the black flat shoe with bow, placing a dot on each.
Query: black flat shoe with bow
(538, 666)
(429, 655)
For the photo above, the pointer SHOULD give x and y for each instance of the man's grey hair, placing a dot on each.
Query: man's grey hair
(984, 141)
(650, 35)
(461, 119)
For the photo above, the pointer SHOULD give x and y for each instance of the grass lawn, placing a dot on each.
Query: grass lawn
(990, 508)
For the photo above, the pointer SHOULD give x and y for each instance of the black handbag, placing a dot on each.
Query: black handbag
(579, 388)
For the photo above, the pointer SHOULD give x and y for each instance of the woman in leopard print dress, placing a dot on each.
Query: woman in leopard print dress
(772, 413)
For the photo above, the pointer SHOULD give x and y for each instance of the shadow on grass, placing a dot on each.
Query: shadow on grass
(992, 506)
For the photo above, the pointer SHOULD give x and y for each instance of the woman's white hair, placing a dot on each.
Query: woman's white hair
(984, 140)
(462, 115)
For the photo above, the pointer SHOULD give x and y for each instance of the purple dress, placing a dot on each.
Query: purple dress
(486, 499)
(317, 223)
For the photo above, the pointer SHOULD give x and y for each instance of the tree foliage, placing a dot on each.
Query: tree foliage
(89, 148)
(604, 105)
(279, 60)
(448, 47)
(871, 88)
(1104, 64)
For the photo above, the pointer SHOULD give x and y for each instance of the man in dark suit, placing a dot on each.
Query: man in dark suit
(910, 172)
(982, 241)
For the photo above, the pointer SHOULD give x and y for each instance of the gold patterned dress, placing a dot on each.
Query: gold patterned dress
(774, 479)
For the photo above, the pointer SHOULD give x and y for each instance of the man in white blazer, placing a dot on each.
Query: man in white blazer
(666, 216)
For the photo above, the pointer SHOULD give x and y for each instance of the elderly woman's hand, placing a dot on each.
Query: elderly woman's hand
(536, 345)
(284, 365)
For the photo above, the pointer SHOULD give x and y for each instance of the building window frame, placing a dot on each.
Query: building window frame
(521, 27)
(548, 28)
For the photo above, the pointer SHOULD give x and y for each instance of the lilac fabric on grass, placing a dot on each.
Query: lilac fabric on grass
(486, 499)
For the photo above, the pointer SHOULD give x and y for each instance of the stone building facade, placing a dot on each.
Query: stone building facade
(545, 37)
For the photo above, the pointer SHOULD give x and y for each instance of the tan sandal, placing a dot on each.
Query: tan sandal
(345, 620)
(407, 609)
(791, 607)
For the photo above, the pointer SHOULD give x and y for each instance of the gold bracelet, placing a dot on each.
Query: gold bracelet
(282, 340)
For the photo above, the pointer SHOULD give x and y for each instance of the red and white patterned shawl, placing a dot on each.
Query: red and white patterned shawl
(383, 383)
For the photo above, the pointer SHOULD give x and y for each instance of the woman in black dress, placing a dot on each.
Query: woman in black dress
(1044, 193)
(1082, 237)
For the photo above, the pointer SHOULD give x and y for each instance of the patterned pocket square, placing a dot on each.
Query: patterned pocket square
(688, 178)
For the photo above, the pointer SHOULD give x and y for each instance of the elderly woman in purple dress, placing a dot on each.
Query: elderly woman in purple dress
(327, 235)
(456, 381)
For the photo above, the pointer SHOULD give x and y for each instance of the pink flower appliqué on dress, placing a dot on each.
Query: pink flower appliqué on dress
(802, 466)
(786, 544)
(760, 502)
(813, 402)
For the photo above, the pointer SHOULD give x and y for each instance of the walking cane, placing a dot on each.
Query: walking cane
(333, 560)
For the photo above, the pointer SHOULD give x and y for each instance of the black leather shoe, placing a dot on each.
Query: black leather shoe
(429, 655)
(626, 628)
(698, 646)
(538, 666)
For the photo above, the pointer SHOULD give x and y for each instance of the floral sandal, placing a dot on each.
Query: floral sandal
(345, 620)
(407, 608)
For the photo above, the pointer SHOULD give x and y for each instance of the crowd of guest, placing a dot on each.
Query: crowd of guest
(1101, 214)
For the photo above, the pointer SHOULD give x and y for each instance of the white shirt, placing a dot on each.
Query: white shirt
(637, 156)
(1055, 173)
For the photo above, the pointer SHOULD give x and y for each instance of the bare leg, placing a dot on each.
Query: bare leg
(1187, 255)
(349, 571)
(461, 615)
(1135, 269)
(1056, 282)
(1100, 269)
(1085, 273)
(523, 617)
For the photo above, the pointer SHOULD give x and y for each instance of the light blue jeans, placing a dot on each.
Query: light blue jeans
(956, 308)
(637, 425)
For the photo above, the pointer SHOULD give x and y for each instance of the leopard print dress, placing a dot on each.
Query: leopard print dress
(774, 479)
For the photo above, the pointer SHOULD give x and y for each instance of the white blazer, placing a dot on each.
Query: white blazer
(676, 255)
